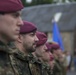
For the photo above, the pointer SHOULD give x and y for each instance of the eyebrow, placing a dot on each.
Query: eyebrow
(17, 13)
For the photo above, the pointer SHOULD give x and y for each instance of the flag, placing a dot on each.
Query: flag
(56, 35)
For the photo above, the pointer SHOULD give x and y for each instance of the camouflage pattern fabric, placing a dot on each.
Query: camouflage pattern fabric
(47, 69)
(14, 62)
(32, 66)
(5, 64)
(57, 68)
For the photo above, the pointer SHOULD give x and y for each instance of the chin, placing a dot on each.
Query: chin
(33, 50)
(14, 38)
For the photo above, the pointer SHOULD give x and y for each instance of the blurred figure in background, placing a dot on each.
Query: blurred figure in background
(42, 53)
(59, 68)
(51, 62)
(75, 61)
(68, 59)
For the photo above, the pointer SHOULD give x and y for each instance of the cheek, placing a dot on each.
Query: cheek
(30, 40)
(40, 52)
(27, 42)
(5, 29)
(10, 30)
(44, 54)
(58, 52)
(7, 24)
(47, 56)
(11, 24)
(10, 27)
(2, 28)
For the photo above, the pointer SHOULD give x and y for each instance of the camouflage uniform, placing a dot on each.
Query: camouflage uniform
(14, 62)
(47, 69)
(57, 68)
(26, 65)
(5, 63)
(63, 62)
(43, 67)
(60, 67)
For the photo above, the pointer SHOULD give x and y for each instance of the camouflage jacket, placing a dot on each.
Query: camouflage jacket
(13, 62)
(5, 63)
(57, 68)
(27, 64)
(47, 69)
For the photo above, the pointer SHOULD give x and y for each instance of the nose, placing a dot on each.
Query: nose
(50, 53)
(46, 47)
(36, 38)
(20, 22)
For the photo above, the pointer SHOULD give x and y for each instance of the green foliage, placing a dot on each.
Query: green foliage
(39, 2)
(36, 2)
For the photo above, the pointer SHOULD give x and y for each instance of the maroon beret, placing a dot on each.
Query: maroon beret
(27, 27)
(51, 57)
(48, 45)
(42, 38)
(55, 46)
(8, 6)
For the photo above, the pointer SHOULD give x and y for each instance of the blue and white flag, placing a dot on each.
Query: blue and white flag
(56, 35)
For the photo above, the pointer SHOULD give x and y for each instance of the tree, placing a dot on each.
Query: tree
(39, 2)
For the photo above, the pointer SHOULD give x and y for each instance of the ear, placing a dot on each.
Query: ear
(20, 38)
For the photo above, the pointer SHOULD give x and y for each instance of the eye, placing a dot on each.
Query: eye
(46, 50)
(15, 15)
(32, 34)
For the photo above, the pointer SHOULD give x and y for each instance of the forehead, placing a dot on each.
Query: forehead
(41, 46)
(27, 35)
(34, 32)
(17, 12)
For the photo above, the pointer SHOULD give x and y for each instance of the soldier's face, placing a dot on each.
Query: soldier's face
(51, 63)
(46, 56)
(58, 52)
(42, 52)
(10, 25)
(29, 41)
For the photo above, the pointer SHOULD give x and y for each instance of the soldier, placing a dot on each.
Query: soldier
(26, 43)
(42, 53)
(51, 62)
(58, 67)
(10, 22)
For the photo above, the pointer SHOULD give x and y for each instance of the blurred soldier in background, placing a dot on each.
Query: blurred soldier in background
(42, 53)
(52, 61)
(59, 67)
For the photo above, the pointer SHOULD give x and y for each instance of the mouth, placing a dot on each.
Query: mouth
(51, 58)
(18, 30)
(34, 45)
